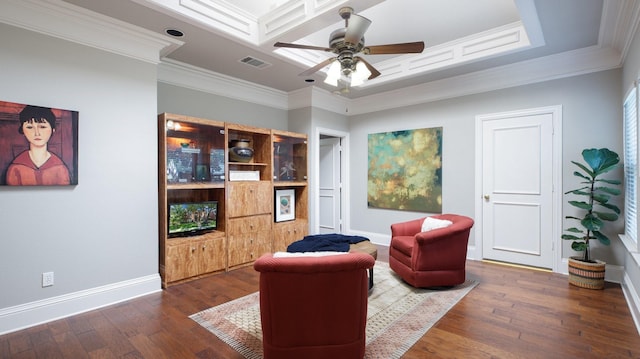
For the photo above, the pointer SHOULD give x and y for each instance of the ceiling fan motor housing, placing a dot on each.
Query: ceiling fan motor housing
(345, 51)
(337, 43)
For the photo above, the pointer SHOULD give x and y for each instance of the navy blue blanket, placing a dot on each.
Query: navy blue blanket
(332, 242)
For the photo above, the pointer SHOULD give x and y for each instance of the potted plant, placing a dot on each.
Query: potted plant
(585, 271)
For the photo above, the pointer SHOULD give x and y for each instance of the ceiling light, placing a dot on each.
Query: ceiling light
(360, 74)
(174, 32)
(333, 75)
(355, 75)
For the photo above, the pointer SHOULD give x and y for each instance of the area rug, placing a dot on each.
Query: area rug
(397, 316)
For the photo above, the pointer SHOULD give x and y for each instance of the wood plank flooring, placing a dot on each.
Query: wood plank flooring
(512, 313)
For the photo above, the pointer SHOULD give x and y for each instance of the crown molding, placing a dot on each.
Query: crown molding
(68, 22)
(620, 20)
(180, 74)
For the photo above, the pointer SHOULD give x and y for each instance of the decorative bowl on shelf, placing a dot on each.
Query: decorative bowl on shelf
(239, 151)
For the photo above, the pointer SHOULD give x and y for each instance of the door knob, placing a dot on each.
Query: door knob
(486, 197)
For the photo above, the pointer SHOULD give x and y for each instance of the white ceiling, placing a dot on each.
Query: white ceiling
(215, 37)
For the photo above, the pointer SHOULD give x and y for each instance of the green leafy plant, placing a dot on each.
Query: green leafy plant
(597, 191)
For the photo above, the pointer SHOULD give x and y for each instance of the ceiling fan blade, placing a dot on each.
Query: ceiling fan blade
(318, 67)
(374, 73)
(297, 46)
(404, 48)
(357, 26)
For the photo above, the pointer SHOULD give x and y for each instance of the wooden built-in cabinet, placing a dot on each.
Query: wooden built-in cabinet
(194, 167)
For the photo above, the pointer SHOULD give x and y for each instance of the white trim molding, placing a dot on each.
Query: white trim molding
(633, 301)
(498, 41)
(68, 22)
(29, 314)
(375, 238)
(345, 207)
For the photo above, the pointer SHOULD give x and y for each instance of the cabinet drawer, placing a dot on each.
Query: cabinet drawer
(247, 247)
(287, 233)
(249, 198)
(249, 224)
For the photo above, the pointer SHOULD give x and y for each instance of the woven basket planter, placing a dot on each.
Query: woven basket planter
(585, 274)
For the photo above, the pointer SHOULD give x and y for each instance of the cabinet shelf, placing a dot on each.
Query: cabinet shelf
(198, 237)
(196, 185)
(289, 184)
(248, 164)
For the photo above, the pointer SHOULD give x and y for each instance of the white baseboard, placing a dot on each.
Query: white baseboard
(42, 311)
(375, 238)
(633, 301)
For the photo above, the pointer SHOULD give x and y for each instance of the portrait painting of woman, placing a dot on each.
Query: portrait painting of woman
(43, 149)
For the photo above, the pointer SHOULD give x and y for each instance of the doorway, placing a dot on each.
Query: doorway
(518, 168)
(332, 173)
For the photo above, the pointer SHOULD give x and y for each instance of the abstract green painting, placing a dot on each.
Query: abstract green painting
(405, 170)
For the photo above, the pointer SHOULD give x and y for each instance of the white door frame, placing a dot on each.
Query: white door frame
(344, 169)
(556, 114)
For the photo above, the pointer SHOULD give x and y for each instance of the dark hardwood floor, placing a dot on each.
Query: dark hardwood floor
(512, 313)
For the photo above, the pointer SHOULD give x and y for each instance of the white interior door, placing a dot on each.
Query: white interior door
(330, 184)
(517, 189)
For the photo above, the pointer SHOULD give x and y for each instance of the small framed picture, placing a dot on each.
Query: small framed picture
(285, 205)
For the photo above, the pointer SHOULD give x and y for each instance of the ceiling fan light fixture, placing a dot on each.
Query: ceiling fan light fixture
(333, 74)
(360, 74)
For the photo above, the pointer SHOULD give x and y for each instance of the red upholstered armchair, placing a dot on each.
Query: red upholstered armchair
(435, 258)
(314, 307)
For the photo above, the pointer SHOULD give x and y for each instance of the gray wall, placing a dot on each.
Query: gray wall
(592, 117)
(105, 229)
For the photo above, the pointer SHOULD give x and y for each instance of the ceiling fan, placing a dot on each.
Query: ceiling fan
(346, 43)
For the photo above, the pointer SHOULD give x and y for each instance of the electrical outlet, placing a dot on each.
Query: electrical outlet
(47, 279)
